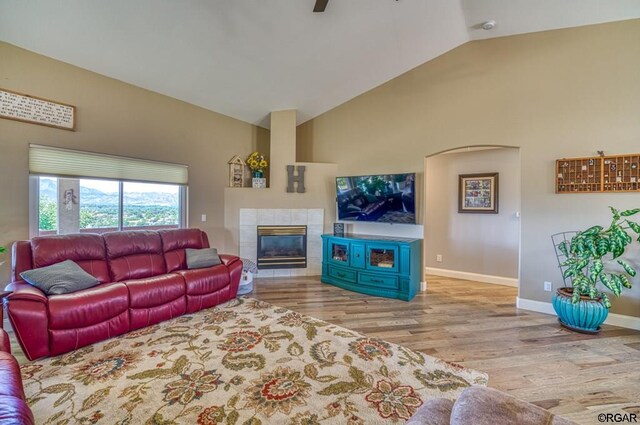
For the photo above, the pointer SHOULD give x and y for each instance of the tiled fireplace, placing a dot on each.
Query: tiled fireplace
(313, 219)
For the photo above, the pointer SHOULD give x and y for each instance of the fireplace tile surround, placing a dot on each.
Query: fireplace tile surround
(250, 218)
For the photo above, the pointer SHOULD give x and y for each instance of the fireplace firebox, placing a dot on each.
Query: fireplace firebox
(282, 247)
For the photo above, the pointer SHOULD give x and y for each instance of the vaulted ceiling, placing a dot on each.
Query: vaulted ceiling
(245, 58)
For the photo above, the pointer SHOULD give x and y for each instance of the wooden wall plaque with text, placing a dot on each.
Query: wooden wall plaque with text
(31, 109)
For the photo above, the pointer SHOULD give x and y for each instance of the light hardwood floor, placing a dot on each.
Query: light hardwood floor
(475, 324)
(526, 354)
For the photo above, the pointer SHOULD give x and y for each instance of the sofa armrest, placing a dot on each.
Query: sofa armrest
(436, 411)
(5, 343)
(487, 406)
(27, 308)
(227, 259)
(21, 290)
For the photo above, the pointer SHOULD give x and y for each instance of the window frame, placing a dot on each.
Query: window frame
(34, 202)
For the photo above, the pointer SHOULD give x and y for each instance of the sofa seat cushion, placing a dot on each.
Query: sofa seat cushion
(10, 376)
(155, 299)
(206, 287)
(88, 307)
(154, 291)
(205, 281)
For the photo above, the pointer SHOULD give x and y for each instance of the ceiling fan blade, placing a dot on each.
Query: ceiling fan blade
(320, 5)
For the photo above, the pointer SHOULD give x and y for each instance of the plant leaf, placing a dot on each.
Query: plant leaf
(595, 270)
(624, 281)
(576, 296)
(634, 226)
(603, 246)
(628, 213)
(627, 268)
(562, 246)
(616, 213)
(611, 284)
(594, 230)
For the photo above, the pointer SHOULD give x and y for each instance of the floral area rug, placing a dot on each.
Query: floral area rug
(243, 362)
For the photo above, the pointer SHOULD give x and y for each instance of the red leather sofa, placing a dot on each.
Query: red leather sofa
(13, 408)
(143, 280)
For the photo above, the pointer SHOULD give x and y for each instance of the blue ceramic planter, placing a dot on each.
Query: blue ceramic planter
(586, 315)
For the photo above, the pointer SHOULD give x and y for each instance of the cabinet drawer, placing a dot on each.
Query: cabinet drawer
(342, 274)
(377, 281)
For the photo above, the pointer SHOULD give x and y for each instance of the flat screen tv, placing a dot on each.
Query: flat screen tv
(384, 198)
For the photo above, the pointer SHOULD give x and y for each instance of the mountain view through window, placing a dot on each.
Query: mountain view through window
(95, 205)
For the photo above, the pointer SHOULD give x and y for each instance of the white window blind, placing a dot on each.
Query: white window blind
(46, 160)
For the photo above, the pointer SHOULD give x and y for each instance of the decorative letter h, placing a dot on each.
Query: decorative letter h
(291, 178)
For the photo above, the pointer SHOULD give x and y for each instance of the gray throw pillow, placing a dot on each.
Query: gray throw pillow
(201, 258)
(60, 278)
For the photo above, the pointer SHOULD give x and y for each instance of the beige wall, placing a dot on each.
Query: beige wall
(116, 118)
(475, 243)
(553, 94)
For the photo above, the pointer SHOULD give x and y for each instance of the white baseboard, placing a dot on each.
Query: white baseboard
(484, 278)
(423, 286)
(613, 319)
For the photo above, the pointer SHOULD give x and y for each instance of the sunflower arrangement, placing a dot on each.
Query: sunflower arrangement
(257, 162)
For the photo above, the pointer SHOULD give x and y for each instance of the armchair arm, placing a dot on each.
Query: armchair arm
(27, 310)
(21, 290)
(227, 259)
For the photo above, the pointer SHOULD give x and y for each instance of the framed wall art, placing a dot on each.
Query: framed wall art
(478, 193)
(36, 110)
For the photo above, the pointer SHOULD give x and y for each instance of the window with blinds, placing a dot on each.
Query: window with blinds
(50, 161)
(76, 191)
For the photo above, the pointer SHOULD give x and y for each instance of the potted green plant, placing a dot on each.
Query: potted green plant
(592, 258)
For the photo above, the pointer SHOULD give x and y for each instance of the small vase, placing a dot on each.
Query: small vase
(258, 174)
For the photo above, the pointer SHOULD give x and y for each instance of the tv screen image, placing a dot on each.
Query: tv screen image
(385, 198)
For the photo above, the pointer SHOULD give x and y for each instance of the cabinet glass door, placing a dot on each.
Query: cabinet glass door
(382, 257)
(339, 253)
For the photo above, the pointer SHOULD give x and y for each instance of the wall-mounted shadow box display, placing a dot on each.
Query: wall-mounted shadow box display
(618, 173)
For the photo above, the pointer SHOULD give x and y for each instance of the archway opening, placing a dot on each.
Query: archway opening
(472, 198)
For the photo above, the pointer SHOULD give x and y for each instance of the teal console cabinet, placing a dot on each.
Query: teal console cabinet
(374, 265)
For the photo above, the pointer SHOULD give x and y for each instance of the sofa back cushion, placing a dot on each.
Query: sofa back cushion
(174, 242)
(87, 250)
(135, 254)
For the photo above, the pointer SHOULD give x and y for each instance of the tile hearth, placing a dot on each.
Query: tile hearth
(250, 218)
